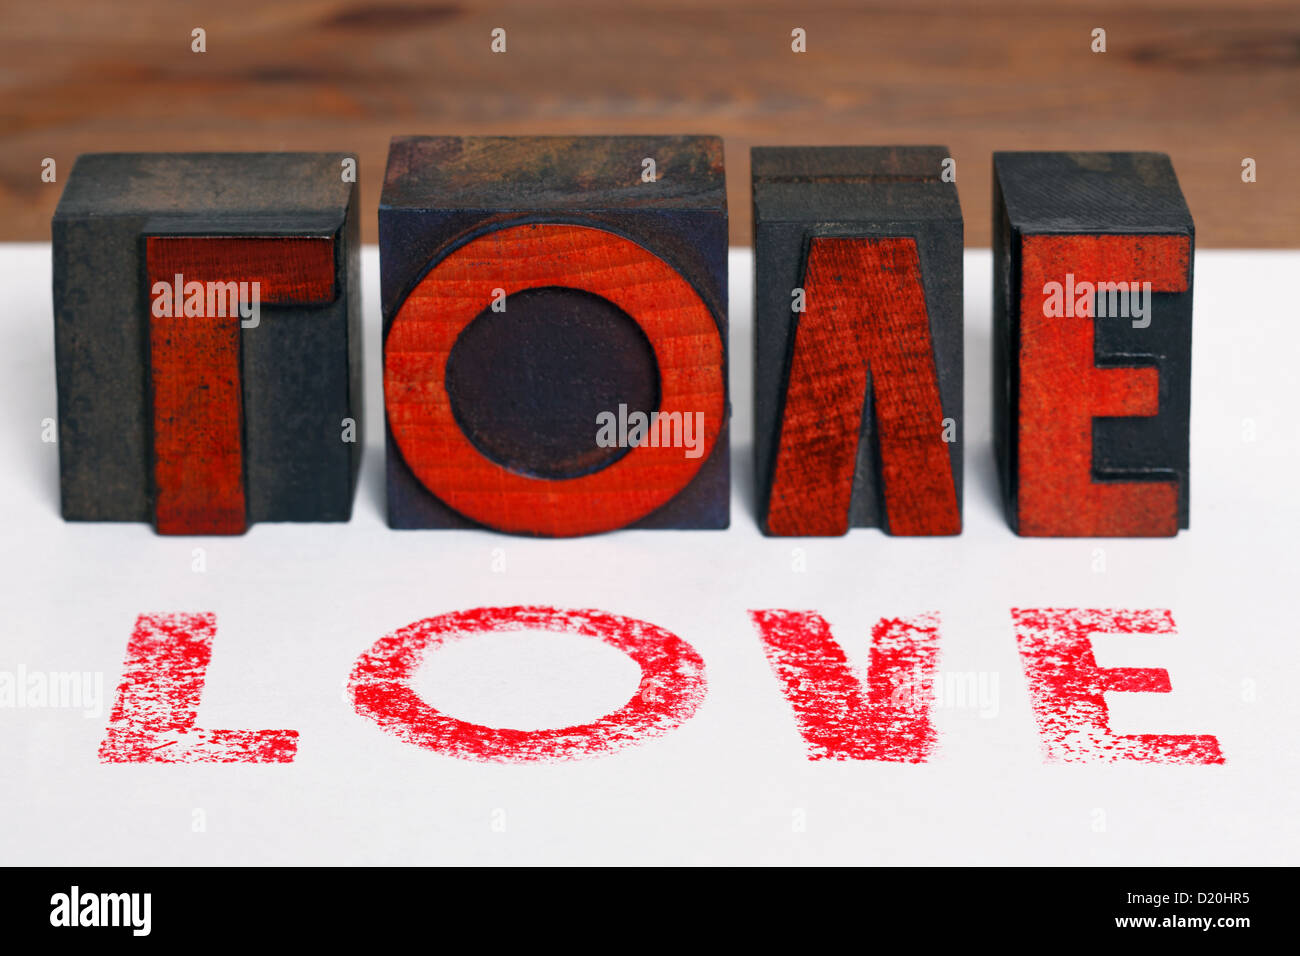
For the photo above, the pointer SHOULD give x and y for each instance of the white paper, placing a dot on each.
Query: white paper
(296, 604)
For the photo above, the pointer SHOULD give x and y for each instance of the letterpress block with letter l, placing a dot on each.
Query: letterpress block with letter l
(858, 340)
(207, 339)
(555, 319)
(1092, 314)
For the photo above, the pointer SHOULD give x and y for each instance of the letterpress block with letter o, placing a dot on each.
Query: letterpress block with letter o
(858, 340)
(207, 339)
(555, 333)
(1092, 312)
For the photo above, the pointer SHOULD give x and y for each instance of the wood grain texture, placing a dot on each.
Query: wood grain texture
(679, 326)
(866, 313)
(194, 370)
(292, 270)
(286, 221)
(1062, 391)
(198, 419)
(1207, 81)
(858, 387)
(471, 229)
(1091, 384)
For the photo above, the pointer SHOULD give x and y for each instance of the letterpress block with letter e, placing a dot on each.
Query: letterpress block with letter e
(207, 339)
(858, 340)
(555, 319)
(1092, 312)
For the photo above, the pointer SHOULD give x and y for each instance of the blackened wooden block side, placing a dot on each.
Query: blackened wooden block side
(802, 194)
(1006, 363)
(443, 193)
(297, 392)
(1093, 218)
(350, 279)
(101, 349)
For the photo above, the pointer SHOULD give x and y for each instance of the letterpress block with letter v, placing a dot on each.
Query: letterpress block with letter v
(858, 340)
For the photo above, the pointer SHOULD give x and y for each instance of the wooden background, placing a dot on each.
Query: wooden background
(1208, 81)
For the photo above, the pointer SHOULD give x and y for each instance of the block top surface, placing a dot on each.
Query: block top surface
(851, 183)
(553, 172)
(1061, 192)
(205, 184)
(853, 163)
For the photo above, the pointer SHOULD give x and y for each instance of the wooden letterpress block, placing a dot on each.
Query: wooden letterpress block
(858, 340)
(1092, 311)
(555, 321)
(207, 339)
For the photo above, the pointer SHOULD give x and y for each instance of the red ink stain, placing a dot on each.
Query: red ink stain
(158, 702)
(1067, 688)
(839, 719)
(672, 686)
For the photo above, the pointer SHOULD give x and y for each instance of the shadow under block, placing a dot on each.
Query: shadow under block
(1092, 312)
(555, 333)
(179, 403)
(858, 340)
